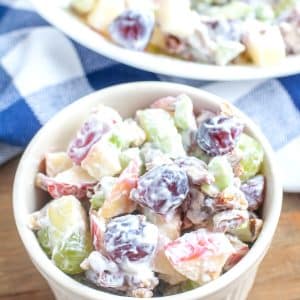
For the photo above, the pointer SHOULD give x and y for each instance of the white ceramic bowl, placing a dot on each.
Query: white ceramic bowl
(53, 12)
(127, 98)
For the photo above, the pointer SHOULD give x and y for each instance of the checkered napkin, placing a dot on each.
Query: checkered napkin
(41, 71)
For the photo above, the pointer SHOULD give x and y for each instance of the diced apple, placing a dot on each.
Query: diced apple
(74, 181)
(176, 19)
(118, 202)
(199, 255)
(158, 39)
(82, 7)
(240, 250)
(166, 103)
(67, 212)
(57, 162)
(162, 265)
(265, 45)
(99, 122)
(227, 221)
(168, 226)
(102, 160)
(104, 12)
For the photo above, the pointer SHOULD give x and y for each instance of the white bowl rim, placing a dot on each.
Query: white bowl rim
(162, 64)
(64, 281)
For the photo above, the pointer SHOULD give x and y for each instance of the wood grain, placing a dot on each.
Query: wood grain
(278, 276)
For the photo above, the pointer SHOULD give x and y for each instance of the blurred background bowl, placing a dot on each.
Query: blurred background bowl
(71, 25)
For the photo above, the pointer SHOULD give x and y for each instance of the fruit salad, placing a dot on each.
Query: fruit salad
(211, 31)
(152, 205)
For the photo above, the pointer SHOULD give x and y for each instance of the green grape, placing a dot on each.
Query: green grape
(161, 131)
(64, 235)
(252, 156)
(184, 117)
(44, 239)
(68, 254)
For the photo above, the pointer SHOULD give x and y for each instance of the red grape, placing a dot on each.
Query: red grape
(162, 189)
(132, 29)
(254, 191)
(218, 135)
(130, 238)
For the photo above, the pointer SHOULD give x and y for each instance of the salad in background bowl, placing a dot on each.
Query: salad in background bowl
(213, 40)
(211, 32)
(177, 200)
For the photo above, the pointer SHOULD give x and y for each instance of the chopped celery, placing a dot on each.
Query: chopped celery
(161, 131)
(222, 171)
(127, 155)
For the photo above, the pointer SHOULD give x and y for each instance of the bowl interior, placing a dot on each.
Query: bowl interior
(126, 99)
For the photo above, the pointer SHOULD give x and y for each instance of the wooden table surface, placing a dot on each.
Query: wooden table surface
(278, 276)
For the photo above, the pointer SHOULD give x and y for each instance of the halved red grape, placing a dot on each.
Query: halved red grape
(218, 135)
(130, 238)
(132, 29)
(254, 191)
(162, 189)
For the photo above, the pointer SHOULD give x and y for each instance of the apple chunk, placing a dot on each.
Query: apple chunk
(74, 181)
(199, 255)
(57, 162)
(118, 201)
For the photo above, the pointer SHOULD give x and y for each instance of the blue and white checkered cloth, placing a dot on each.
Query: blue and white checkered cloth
(41, 71)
